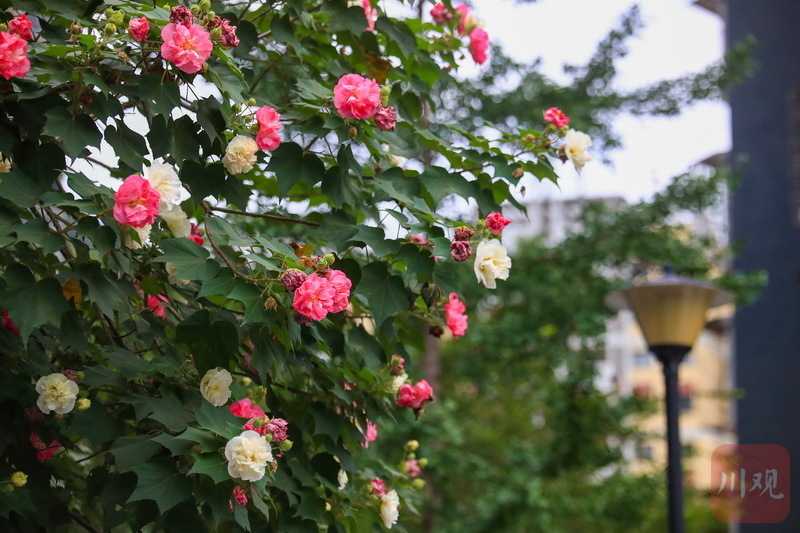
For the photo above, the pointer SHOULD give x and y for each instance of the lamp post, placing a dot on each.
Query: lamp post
(671, 312)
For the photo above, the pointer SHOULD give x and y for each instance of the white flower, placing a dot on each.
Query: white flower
(164, 179)
(248, 456)
(240, 155)
(144, 237)
(215, 386)
(575, 145)
(56, 393)
(177, 221)
(390, 503)
(342, 478)
(491, 263)
(398, 381)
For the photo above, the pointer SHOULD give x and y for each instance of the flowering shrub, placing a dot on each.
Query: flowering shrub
(216, 269)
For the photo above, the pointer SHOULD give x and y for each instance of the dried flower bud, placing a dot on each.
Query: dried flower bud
(75, 28)
(353, 132)
(464, 233)
(460, 251)
(518, 172)
(303, 320)
(436, 331)
(292, 279)
(529, 138)
(271, 303)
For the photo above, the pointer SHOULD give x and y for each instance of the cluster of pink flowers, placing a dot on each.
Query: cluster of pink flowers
(21, 25)
(317, 295)
(258, 420)
(415, 396)
(378, 487)
(454, 315)
(496, 222)
(556, 117)
(136, 202)
(371, 14)
(269, 124)
(370, 435)
(467, 25)
(239, 496)
(13, 55)
(7, 322)
(44, 452)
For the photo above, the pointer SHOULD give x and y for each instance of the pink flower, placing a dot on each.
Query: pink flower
(186, 45)
(412, 468)
(44, 452)
(556, 117)
(181, 15)
(371, 14)
(136, 202)
(277, 428)
(13, 55)
(479, 45)
(463, 233)
(460, 250)
(314, 297)
(495, 222)
(454, 315)
(464, 11)
(418, 238)
(228, 37)
(398, 364)
(414, 396)
(356, 97)
(21, 26)
(440, 14)
(385, 119)
(154, 304)
(378, 487)
(268, 125)
(8, 323)
(240, 496)
(138, 28)
(246, 409)
(341, 285)
(370, 435)
(71, 375)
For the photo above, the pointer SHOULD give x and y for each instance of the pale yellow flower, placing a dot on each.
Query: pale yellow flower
(491, 263)
(248, 456)
(56, 393)
(390, 504)
(215, 386)
(240, 155)
(576, 143)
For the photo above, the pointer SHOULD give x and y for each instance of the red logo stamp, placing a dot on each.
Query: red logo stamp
(750, 483)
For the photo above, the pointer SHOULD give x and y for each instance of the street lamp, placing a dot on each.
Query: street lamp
(671, 312)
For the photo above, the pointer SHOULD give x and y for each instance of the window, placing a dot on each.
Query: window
(645, 453)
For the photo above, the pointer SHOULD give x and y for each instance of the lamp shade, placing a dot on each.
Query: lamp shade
(670, 310)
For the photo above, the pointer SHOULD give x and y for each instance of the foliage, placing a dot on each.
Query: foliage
(524, 437)
(139, 315)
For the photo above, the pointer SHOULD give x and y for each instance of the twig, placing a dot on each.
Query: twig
(263, 215)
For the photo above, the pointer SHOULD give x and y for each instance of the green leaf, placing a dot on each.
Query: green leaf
(222, 284)
(96, 424)
(258, 503)
(440, 183)
(385, 293)
(253, 300)
(128, 145)
(190, 259)
(31, 303)
(376, 239)
(283, 32)
(212, 180)
(131, 451)
(75, 132)
(208, 441)
(20, 189)
(350, 19)
(36, 231)
(399, 33)
(175, 445)
(219, 420)
(161, 482)
(212, 465)
(162, 97)
(291, 166)
(107, 294)
(347, 161)
(226, 233)
(213, 343)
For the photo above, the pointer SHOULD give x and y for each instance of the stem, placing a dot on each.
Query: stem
(262, 215)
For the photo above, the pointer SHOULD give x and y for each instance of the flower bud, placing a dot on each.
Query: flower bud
(386, 90)
(83, 404)
(423, 462)
(80, 375)
(273, 466)
(271, 303)
(195, 10)
(244, 381)
(6, 488)
(251, 102)
(436, 331)
(412, 446)
(118, 18)
(292, 279)
(3, 26)
(216, 33)
(529, 138)
(418, 483)
(259, 422)
(285, 446)
(518, 172)
(109, 12)
(210, 14)
(411, 456)
(353, 132)
(109, 30)
(463, 233)
(204, 5)
(19, 479)
(236, 108)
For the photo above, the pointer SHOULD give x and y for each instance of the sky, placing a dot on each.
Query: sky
(677, 38)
